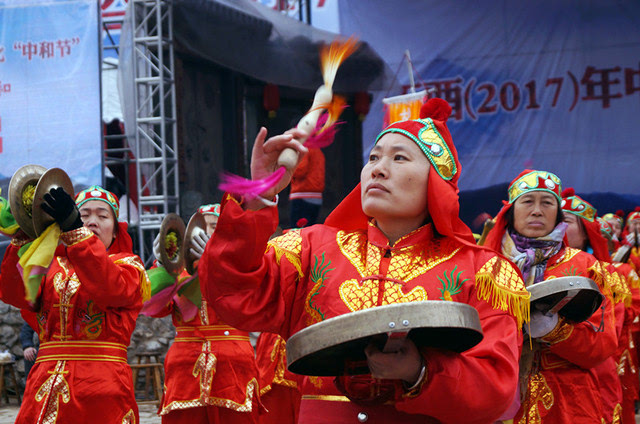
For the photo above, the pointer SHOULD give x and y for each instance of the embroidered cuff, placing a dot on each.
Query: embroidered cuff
(560, 333)
(72, 237)
(414, 391)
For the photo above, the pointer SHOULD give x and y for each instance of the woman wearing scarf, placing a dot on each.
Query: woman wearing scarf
(395, 238)
(558, 369)
(84, 313)
(210, 370)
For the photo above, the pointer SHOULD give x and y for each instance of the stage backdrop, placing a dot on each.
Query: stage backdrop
(550, 84)
(50, 88)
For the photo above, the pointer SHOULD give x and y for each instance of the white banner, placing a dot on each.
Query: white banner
(50, 88)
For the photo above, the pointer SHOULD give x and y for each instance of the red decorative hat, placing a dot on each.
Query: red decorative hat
(212, 209)
(618, 216)
(531, 180)
(98, 193)
(432, 136)
(633, 215)
(574, 204)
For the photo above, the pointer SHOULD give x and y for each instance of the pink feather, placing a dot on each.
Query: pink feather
(159, 301)
(323, 138)
(187, 309)
(248, 188)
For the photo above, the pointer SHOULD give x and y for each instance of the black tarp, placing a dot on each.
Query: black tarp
(251, 39)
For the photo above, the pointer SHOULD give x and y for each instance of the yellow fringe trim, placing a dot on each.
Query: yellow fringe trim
(291, 257)
(516, 303)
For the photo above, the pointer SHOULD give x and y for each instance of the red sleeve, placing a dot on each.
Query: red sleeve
(248, 288)
(11, 285)
(112, 281)
(588, 343)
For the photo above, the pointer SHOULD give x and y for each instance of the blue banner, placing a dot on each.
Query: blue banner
(551, 85)
(50, 88)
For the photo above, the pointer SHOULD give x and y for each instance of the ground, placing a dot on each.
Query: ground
(8, 413)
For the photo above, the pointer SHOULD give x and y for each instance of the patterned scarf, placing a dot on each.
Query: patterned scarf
(531, 254)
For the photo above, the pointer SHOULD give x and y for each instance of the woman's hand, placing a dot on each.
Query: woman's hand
(264, 157)
(404, 364)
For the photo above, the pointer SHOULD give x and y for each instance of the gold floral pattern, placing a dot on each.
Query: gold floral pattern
(358, 296)
(289, 245)
(539, 392)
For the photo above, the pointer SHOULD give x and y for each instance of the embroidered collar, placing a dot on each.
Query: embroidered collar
(377, 238)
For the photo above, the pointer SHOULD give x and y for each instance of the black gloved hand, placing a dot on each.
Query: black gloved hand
(62, 208)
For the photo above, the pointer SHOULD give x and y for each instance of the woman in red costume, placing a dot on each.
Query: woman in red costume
(559, 364)
(627, 352)
(583, 232)
(210, 371)
(395, 238)
(85, 312)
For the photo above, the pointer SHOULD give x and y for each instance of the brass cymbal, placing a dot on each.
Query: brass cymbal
(172, 257)
(25, 178)
(196, 221)
(53, 178)
(328, 347)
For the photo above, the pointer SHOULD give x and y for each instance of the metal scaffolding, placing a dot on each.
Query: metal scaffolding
(156, 134)
(153, 143)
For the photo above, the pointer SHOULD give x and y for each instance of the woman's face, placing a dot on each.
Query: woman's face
(534, 214)
(212, 223)
(634, 226)
(576, 234)
(616, 227)
(394, 180)
(98, 216)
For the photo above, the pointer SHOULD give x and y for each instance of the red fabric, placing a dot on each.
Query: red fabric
(103, 308)
(278, 386)
(309, 174)
(626, 353)
(568, 355)
(233, 382)
(122, 242)
(209, 414)
(272, 292)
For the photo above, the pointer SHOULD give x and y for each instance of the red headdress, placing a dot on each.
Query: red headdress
(574, 204)
(432, 136)
(527, 181)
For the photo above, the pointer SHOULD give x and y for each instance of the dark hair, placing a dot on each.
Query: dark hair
(509, 216)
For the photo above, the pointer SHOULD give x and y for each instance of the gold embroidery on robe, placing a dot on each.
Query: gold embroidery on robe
(51, 391)
(539, 392)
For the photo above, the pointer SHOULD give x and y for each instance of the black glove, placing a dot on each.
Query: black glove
(62, 208)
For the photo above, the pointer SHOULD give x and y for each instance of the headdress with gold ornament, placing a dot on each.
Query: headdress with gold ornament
(576, 205)
(633, 215)
(535, 181)
(618, 216)
(98, 193)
